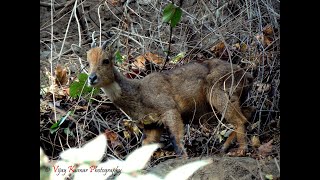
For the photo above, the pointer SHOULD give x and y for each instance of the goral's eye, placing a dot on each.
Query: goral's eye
(105, 61)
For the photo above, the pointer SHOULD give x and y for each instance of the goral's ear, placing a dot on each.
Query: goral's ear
(79, 51)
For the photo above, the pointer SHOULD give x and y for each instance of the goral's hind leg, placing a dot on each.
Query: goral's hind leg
(151, 135)
(172, 119)
(234, 116)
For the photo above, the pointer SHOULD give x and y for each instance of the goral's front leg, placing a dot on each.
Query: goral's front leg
(172, 119)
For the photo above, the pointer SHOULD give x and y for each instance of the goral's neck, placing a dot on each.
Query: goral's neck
(121, 89)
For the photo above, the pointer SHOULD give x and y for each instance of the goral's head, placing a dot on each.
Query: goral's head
(101, 63)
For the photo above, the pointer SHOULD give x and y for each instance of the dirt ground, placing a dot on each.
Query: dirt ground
(239, 31)
(223, 167)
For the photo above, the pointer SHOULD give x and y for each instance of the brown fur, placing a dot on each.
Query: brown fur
(164, 98)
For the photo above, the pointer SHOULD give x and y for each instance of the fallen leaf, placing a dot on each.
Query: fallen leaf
(262, 87)
(83, 108)
(267, 41)
(255, 141)
(141, 60)
(61, 77)
(259, 37)
(267, 30)
(220, 138)
(126, 134)
(243, 47)
(218, 49)
(131, 126)
(111, 136)
(223, 132)
(263, 39)
(66, 91)
(114, 2)
(255, 125)
(154, 58)
(135, 129)
(265, 149)
(158, 154)
(236, 46)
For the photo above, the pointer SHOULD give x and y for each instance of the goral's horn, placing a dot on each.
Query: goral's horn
(104, 45)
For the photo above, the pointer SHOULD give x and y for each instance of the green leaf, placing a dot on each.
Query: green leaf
(56, 125)
(269, 176)
(82, 77)
(118, 57)
(76, 87)
(64, 118)
(178, 57)
(176, 17)
(168, 12)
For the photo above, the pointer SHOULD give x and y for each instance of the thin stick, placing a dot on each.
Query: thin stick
(67, 30)
(51, 66)
(168, 53)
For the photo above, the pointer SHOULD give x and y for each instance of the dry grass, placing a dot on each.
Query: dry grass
(139, 29)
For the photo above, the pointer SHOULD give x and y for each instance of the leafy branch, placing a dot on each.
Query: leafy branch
(171, 14)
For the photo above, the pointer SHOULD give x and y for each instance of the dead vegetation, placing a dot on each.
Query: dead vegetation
(243, 32)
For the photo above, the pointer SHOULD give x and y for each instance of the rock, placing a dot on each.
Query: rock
(240, 168)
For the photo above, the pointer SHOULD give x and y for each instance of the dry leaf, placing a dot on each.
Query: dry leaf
(111, 136)
(126, 134)
(267, 30)
(114, 2)
(135, 129)
(236, 46)
(158, 154)
(218, 49)
(243, 47)
(83, 108)
(255, 125)
(255, 141)
(240, 47)
(57, 91)
(265, 40)
(61, 77)
(140, 61)
(66, 91)
(262, 87)
(162, 153)
(131, 126)
(265, 149)
(154, 58)
(259, 37)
